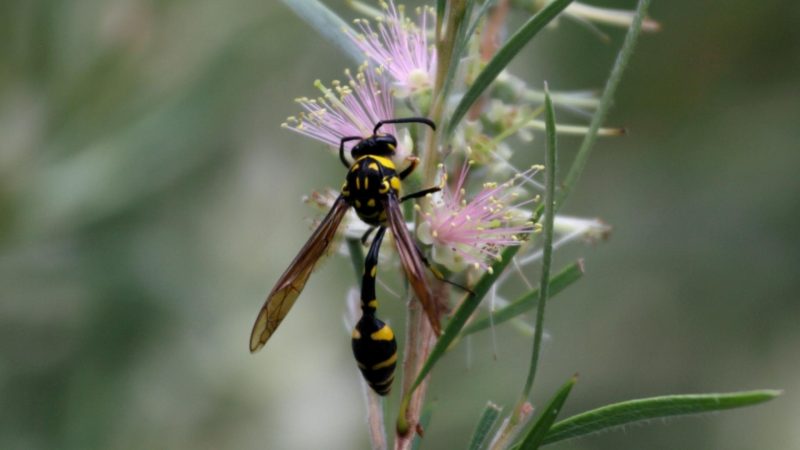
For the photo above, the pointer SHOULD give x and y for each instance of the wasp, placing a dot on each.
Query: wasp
(372, 188)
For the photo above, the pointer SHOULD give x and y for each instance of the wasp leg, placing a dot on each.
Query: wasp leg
(439, 275)
(365, 236)
(421, 193)
(341, 148)
(421, 120)
(413, 162)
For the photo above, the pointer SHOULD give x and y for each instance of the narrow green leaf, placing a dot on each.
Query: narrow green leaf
(534, 438)
(504, 56)
(464, 311)
(550, 171)
(526, 302)
(485, 424)
(328, 24)
(624, 55)
(547, 255)
(632, 411)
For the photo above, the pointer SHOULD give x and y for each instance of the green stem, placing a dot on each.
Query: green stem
(444, 53)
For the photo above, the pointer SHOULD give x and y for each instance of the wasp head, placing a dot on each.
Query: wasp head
(378, 145)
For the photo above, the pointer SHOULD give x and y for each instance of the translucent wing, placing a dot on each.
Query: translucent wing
(412, 261)
(293, 280)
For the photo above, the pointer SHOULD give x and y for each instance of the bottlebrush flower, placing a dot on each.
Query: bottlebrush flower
(348, 109)
(474, 233)
(401, 47)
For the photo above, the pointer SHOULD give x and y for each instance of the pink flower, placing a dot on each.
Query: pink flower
(346, 109)
(474, 233)
(401, 47)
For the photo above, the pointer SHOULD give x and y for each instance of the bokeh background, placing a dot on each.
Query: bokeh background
(149, 199)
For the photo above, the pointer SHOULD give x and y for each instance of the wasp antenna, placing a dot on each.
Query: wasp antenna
(422, 120)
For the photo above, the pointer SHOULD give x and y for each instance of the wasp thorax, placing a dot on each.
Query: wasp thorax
(369, 181)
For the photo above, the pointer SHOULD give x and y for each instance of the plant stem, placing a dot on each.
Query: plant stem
(444, 53)
(420, 336)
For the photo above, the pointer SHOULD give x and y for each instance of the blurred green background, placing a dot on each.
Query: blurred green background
(149, 199)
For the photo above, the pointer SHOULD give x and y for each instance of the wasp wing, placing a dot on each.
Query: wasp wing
(293, 280)
(412, 261)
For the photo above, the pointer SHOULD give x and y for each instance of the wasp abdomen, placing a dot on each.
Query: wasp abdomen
(375, 350)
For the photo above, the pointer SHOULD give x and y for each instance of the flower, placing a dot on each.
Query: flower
(401, 47)
(347, 109)
(473, 233)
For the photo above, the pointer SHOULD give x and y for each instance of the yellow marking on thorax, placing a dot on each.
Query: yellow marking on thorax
(374, 271)
(371, 203)
(395, 182)
(366, 183)
(384, 334)
(385, 162)
(373, 304)
(373, 166)
(356, 334)
(358, 183)
(358, 204)
(384, 186)
(389, 362)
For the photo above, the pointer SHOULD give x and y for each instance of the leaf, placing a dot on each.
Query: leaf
(328, 24)
(464, 311)
(624, 55)
(534, 438)
(618, 414)
(485, 424)
(550, 171)
(503, 57)
(526, 302)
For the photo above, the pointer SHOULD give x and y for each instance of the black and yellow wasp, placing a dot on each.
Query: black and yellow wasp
(372, 187)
